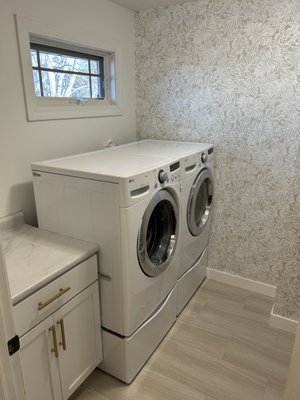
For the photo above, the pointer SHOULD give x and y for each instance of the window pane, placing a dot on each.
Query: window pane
(94, 67)
(96, 87)
(57, 84)
(63, 62)
(36, 82)
(34, 61)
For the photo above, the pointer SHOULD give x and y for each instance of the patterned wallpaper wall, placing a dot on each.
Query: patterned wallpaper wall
(228, 72)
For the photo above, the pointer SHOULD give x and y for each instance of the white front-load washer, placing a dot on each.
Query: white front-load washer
(129, 205)
(196, 201)
(196, 204)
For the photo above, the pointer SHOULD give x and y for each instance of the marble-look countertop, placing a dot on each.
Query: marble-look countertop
(35, 257)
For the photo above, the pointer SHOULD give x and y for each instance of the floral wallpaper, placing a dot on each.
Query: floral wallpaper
(228, 72)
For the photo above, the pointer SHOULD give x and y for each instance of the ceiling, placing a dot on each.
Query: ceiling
(136, 5)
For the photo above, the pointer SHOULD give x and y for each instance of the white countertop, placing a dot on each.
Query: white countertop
(35, 257)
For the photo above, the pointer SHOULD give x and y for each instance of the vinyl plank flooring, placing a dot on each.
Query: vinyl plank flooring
(218, 379)
(267, 362)
(229, 321)
(221, 348)
(101, 383)
(259, 304)
(204, 340)
(84, 393)
(153, 385)
(285, 341)
(274, 391)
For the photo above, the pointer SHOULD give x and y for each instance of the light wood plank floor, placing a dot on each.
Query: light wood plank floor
(221, 348)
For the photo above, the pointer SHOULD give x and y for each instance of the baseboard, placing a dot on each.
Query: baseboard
(243, 283)
(283, 323)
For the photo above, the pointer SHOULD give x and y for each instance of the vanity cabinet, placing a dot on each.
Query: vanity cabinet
(59, 352)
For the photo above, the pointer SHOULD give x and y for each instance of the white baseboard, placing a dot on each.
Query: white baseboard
(285, 324)
(243, 283)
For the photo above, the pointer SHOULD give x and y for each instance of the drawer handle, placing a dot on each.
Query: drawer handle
(63, 335)
(60, 293)
(55, 349)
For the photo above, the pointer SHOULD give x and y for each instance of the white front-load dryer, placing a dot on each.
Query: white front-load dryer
(129, 205)
(197, 200)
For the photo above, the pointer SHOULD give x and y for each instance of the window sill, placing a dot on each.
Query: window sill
(38, 110)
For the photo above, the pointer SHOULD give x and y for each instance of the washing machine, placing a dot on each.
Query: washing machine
(196, 204)
(197, 201)
(129, 205)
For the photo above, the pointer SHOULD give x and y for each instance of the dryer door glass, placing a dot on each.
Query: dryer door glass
(157, 237)
(199, 204)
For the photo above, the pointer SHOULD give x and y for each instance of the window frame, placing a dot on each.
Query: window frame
(72, 53)
(49, 108)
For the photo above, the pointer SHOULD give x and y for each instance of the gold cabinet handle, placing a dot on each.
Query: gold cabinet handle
(46, 303)
(55, 348)
(63, 335)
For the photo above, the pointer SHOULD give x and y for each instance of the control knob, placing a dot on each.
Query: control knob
(203, 158)
(162, 176)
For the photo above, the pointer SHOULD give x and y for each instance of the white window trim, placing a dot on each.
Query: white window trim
(41, 108)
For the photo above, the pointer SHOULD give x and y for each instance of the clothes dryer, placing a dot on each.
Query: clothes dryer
(196, 201)
(129, 205)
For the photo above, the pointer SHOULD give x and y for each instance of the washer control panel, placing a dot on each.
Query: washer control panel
(135, 188)
(170, 173)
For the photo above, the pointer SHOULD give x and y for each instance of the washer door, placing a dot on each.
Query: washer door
(199, 203)
(157, 237)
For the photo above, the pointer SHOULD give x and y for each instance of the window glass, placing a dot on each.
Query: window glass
(36, 82)
(65, 63)
(56, 84)
(34, 61)
(94, 67)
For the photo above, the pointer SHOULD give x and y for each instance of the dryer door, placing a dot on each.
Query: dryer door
(199, 203)
(157, 237)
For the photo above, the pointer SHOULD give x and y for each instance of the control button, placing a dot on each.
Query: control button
(162, 176)
(203, 158)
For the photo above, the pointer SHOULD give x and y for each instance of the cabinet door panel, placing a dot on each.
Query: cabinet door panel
(81, 321)
(39, 365)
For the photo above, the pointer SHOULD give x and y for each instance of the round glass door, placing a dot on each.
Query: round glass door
(157, 237)
(199, 204)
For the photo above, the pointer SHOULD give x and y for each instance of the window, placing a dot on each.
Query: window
(67, 73)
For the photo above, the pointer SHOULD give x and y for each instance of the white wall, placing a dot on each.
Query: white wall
(22, 142)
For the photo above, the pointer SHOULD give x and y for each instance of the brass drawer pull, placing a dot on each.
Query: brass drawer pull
(55, 349)
(60, 293)
(63, 335)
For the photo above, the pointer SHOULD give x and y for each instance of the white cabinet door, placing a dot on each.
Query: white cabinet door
(59, 353)
(39, 363)
(79, 336)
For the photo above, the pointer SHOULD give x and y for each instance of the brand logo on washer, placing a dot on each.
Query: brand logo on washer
(131, 180)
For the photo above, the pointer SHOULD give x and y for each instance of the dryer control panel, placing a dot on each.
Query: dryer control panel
(195, 162)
